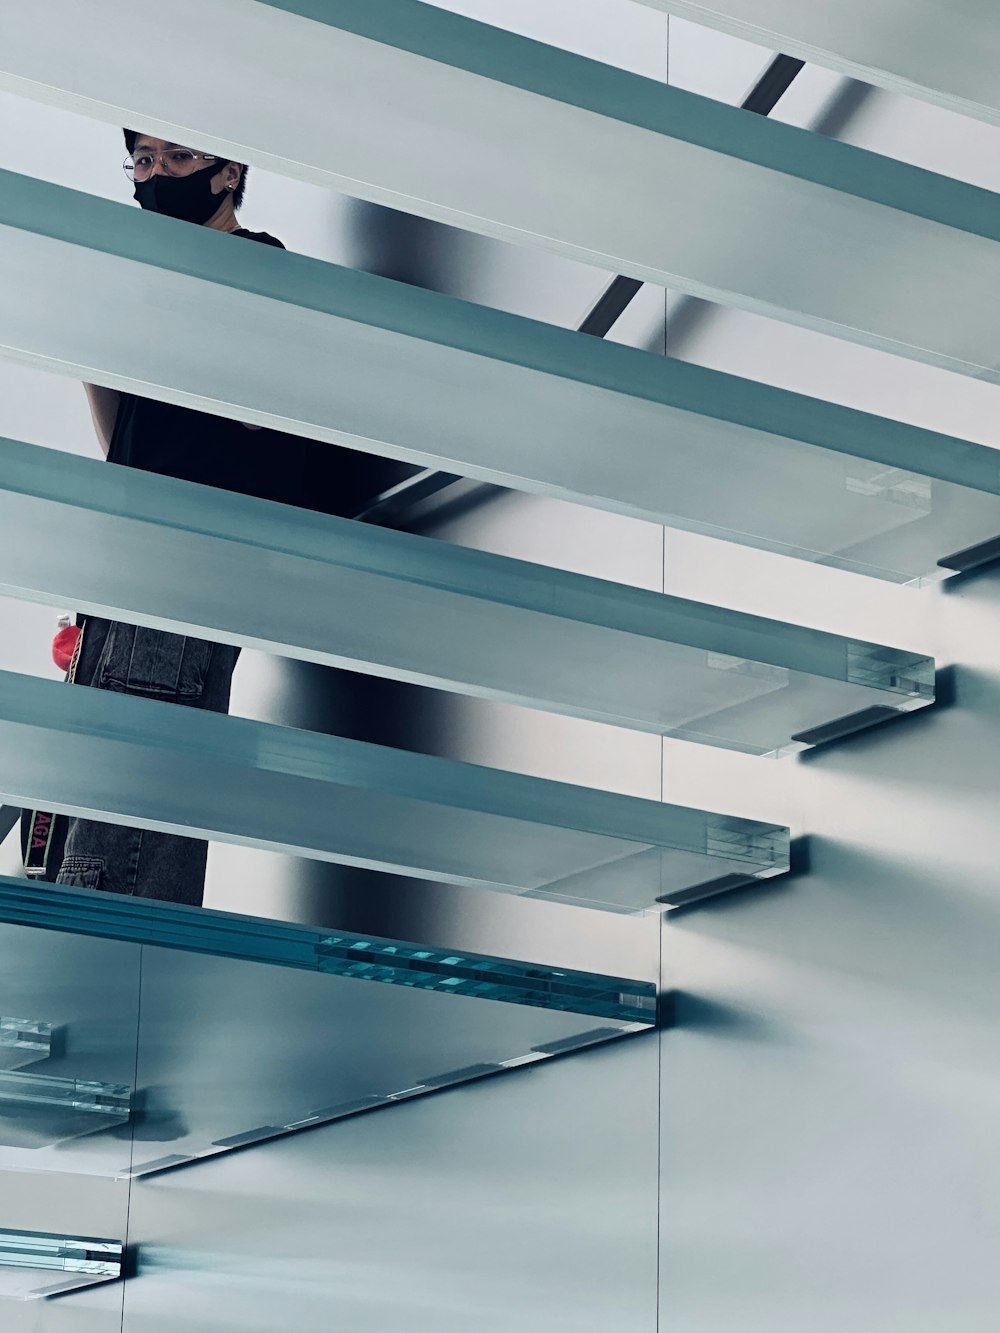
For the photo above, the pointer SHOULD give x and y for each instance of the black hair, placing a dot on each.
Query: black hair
(132, 135)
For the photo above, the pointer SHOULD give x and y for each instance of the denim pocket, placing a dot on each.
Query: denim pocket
(81, 872)
(138, 660)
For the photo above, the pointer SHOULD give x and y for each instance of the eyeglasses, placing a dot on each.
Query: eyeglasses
(176, 162)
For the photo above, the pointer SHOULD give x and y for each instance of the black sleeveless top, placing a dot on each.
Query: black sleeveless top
(196, 446)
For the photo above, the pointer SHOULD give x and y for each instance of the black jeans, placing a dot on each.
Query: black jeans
(129, 659)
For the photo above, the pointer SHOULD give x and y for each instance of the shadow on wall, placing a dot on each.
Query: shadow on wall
(313, 697)
(829, 1098)
(407, 249)
(404, 247)
(829, 1106)
(523, 1202)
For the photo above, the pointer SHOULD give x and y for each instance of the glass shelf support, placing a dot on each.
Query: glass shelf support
(949, 62)
(351, 595)
(182, 770)
(496, 133)
(438, 382)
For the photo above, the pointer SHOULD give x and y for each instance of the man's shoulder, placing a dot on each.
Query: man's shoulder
(264, 237)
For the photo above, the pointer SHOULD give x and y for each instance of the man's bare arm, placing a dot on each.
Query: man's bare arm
(104, 410)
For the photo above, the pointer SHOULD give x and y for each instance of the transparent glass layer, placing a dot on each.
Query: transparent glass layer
(35, 1265)
(486, 978)
(38, 1110)
(423, 611)
(240, 1030)
(22, 1041)
(555, 412)
(309, 948)
(910, 261)
(183, 770)
(64, 1254)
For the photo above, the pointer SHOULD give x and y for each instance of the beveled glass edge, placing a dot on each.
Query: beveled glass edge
(749, 841)
(891, 670)
(58, 1252)
(523, 62)
(88, 1096)
(487, 978)
(76, 218)
(311, 948)
(182, 506)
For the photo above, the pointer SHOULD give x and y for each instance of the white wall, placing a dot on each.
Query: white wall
(522, 1203)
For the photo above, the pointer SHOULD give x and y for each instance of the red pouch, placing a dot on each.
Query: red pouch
(64, 646)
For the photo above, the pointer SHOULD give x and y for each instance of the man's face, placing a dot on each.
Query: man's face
(148, 153)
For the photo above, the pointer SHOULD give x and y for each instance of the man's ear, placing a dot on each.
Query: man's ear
(231, 174)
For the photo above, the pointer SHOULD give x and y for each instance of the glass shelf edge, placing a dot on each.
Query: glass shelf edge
(202, 930)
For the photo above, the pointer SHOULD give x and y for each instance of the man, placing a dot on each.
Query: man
(203, 190)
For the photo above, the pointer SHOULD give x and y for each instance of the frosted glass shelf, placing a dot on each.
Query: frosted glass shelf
(423, 611)
(30, 1260)
(186, 771)
(238, 1030)
(948, 58)
(498, 134)
(435, 381)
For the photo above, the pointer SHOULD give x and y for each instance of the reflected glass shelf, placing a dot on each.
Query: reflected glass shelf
(910, 257)
(29, 1262)
(694, 448)
(38, 1110)
(424, 611)
(187, 771)
(376, 1022)
(23, 1041)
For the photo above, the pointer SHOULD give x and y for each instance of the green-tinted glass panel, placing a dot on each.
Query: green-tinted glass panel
(420, 610)
(692, 448)
(184, 770)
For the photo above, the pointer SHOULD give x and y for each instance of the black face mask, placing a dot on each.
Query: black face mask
(189, 198)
